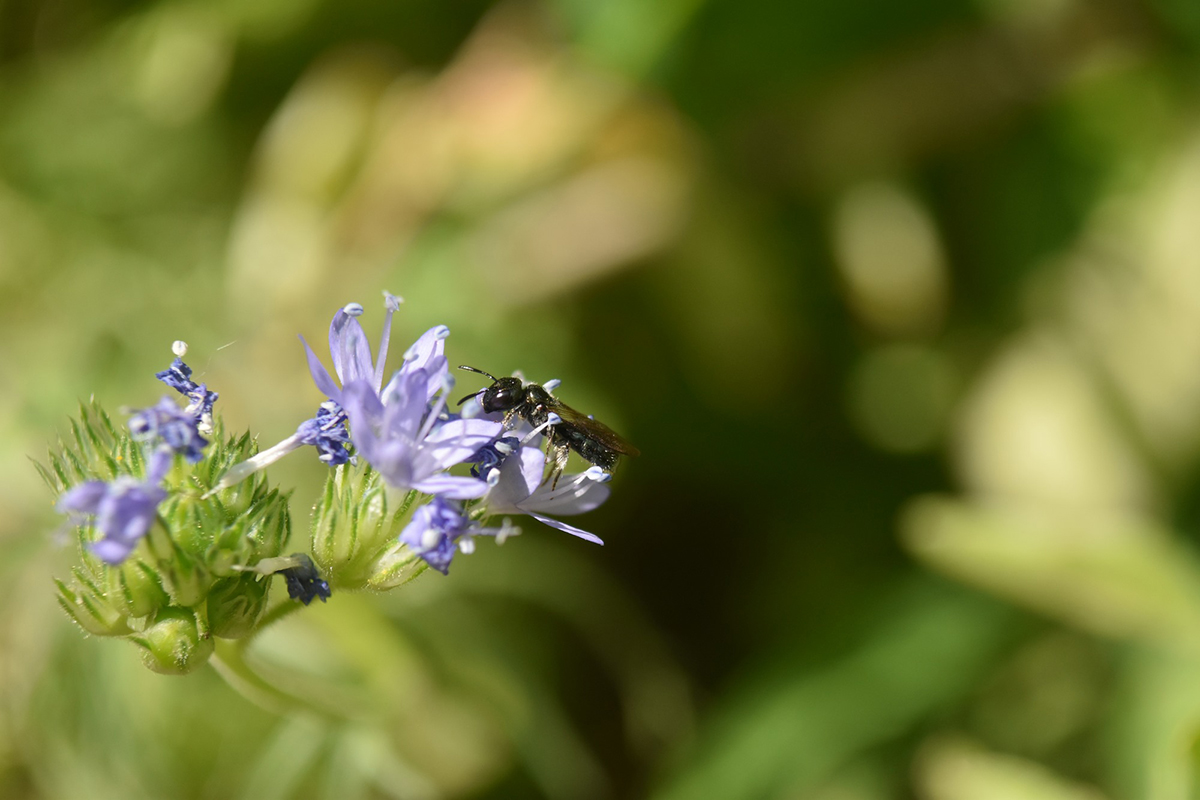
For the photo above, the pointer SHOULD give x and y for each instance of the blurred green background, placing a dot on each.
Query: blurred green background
(900, 301)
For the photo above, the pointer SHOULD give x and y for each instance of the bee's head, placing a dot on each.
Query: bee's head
(504, 393)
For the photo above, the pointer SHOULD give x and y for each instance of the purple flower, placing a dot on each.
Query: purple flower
(172, 425)
(516, 487)
(438, 529)
(492, 455)
(327, 432)
(402, 436)
(124, 509)
(352, 364)
(179, 377)
(350, 350)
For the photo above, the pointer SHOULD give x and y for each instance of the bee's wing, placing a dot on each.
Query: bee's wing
(595, 429)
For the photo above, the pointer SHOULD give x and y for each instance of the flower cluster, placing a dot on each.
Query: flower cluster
(179, 532)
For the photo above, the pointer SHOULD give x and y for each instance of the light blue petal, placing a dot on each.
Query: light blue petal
(112, 551)
(533, 466)
(365, 414)
(404, 401)
(571, 529)
(321, 376)
(452, 487)
(84, 498)
(350, 350)
(568, 499)
(457, 440)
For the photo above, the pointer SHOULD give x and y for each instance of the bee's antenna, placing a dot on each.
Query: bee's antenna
(468, 397)
(481, 372)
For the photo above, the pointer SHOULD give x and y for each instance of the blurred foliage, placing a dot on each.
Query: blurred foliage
(900, 301)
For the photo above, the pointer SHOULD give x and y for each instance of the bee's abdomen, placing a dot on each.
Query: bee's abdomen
(591, 450)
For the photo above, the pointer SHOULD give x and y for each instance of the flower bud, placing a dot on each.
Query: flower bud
(175, 644)
(235, 604)
(185, 578)
(395, 567)
(135, 588)
(355, 524)
(92, 612)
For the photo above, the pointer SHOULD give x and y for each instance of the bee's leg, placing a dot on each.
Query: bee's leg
(510, 417)
(557, 453)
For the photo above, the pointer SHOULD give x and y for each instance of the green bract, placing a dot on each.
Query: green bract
(355, 526)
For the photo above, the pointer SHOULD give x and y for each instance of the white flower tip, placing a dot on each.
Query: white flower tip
(466, 545)
(597, 474)
(553, 419)
(391, 302)
(269, 566)
(504, 448)
(493, 477)
(552, 384)
(353, 309)
(179, 348)
(441, 332)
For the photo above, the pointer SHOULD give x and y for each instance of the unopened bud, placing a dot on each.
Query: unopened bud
(354, 523)
(235, 604)
(395, 567)
(136, 589)
(175, 643)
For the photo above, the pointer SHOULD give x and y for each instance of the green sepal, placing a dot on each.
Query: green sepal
(91, 612)
(236, 604)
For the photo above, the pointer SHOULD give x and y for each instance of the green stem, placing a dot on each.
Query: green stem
(229, 662)
(274, 614)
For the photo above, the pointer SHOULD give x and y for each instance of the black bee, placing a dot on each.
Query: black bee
(593, 440)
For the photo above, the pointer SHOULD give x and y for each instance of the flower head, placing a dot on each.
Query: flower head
(402, 435)
(439, 529)
(124, 509)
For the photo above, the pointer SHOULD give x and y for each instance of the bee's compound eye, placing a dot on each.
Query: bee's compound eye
(507, 398)
(500, 398)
